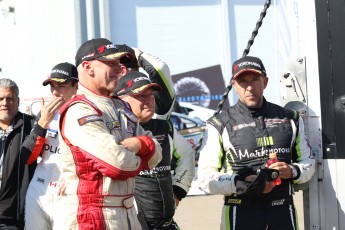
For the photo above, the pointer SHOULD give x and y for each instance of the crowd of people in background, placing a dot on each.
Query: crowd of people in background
(103, 154)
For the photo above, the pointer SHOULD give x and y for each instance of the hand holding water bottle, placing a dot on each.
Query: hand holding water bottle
(273, 159)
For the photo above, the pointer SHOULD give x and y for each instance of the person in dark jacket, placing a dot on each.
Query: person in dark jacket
(151, 97)
(252, 153)
(15, 174)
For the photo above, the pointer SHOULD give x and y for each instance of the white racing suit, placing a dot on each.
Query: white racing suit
(98, 172)
(42, 191)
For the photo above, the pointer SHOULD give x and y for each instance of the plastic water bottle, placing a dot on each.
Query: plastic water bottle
(273, 159)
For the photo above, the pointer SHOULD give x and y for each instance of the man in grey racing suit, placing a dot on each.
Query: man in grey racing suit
(235, 150)
(102, 147)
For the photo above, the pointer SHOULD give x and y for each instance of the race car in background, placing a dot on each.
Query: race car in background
(191, 123)
(196, 111)
(190, 128)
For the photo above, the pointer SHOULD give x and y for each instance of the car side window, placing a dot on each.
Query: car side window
(187, 123)
(177, 122)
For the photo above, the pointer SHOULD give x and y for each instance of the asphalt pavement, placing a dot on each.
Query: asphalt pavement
(202, 212)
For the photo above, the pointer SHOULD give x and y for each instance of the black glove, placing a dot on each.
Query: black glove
(253, 183)
(130, 61)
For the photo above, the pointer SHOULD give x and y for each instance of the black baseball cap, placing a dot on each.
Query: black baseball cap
(62, 73)
(248, 64)
(128, 62)
(135, 83)
(98, 49)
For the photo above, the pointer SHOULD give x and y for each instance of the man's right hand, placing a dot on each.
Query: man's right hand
(255, 183)
(49, 110)
(269, 186)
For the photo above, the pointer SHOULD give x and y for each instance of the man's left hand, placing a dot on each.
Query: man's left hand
(176, 201)
(283, 168)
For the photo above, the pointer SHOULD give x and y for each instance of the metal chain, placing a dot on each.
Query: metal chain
(245, 53)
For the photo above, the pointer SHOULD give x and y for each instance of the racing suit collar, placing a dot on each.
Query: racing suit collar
(146, 124)
(253, 112)
(88, 93)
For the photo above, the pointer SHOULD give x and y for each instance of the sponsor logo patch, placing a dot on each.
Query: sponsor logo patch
(130, 130)
(234, 201)
(60, 71)
(52, 133)
(91, 118)
(128, 113)
(113, 125)
(160, 137)
(40, 180)
(278, 202)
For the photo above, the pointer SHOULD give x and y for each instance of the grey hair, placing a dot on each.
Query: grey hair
(8, 83)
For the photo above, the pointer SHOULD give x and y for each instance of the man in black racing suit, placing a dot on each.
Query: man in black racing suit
(235, 150)
(157, 192)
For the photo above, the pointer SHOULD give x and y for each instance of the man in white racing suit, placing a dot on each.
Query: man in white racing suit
(42, 192)
(102, 147)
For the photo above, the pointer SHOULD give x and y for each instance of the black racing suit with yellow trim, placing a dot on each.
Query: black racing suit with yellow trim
(155, 189)
(239, 139)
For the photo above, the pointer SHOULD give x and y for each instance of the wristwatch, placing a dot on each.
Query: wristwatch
(294, 172)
